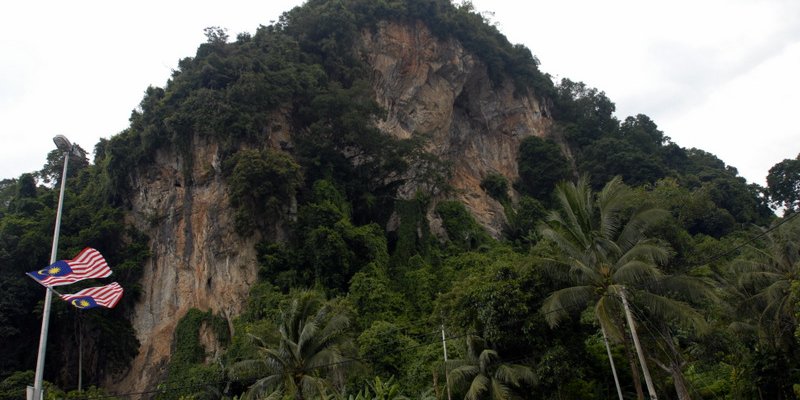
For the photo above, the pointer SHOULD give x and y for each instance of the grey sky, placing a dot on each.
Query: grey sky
(715, 74)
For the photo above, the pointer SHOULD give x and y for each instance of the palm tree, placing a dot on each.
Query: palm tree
(486, 374)
(608, 261)
(766, 280)
(309, 351)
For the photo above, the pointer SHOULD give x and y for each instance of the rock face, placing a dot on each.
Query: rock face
(198, 261)
(427, 85)
(437, 88)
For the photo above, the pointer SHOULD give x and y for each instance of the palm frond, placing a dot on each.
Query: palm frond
(610, 201)
(500, 390)
(515, 374)
(479, 385)
(272, 385)
(642, 219)
(575, 215)
(464, 373)
(560, 303)
(646, 249)
(759, 280)
(575, 270)
(313, 387)
(635, 272)
(687, 288)
(247, 368)
(557, 269)
(669, 309)
(275, 358)
(308, 332)
(564, 239)
(779, 290)
(487, 358)
(608, 311)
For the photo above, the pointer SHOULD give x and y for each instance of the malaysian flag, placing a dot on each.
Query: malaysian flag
(105, 296)
(89, 263)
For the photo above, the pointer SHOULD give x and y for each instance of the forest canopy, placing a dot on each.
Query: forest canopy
(611, 227)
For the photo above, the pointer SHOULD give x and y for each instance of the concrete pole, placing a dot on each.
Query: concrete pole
(611, 360)
(650, 388)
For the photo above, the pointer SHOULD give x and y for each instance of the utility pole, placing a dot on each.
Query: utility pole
(446, 375)
(611, 360)
(639, 351)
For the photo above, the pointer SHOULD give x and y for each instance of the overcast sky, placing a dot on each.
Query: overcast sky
(720, 75)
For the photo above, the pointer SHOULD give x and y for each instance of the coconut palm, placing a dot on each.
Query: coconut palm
(607, 260)
(486, 375)
(308, 354)
(766, 279)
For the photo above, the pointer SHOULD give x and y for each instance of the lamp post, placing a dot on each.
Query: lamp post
(63, 144)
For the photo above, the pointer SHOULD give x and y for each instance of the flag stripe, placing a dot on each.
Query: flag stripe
(106, 296)
(89, 263)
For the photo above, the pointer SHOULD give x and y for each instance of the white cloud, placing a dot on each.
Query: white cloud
(715, 74)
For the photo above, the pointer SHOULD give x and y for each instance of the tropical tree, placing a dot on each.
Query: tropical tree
(379, 389)
(309, 353)
(606, 259)
(486, 375)
(783, 181)
(766, 278)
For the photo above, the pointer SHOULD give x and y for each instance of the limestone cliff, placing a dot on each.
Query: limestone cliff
(198, 261)
(428, 86)
(435, 87)
(195, 262)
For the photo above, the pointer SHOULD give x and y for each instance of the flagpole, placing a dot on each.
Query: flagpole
(80, 350)
(38, 394)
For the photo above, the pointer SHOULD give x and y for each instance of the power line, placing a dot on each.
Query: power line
(343, 361)
(508, 322)
(751, 240)
(642, 316)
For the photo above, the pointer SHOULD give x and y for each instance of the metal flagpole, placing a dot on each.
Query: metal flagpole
(446, 375)
(38, 394)
(80, 350)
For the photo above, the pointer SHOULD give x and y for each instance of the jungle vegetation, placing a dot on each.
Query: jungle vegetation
(345, 309)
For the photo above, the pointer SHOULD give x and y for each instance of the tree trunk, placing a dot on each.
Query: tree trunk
(679, 381)
(626, 344)
(637, 379)
(676, 367)
(436, 384)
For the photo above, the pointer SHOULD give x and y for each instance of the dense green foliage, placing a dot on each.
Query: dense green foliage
(187, 373)
(262, 185)
(541, 166)
(783, 181)
(356, 286)
(26, 229)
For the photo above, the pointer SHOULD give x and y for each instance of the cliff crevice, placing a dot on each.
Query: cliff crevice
(428, 86)
(438, 89)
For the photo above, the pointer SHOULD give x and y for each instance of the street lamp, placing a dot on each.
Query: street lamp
(63, 144)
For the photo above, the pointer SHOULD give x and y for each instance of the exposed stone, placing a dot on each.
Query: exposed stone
(427, 85)
(198, 260)
(435, 87)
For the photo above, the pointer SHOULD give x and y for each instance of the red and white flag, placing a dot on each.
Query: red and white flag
(89, 263)
(106, 296)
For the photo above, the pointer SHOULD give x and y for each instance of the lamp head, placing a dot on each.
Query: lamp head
(62, 143)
